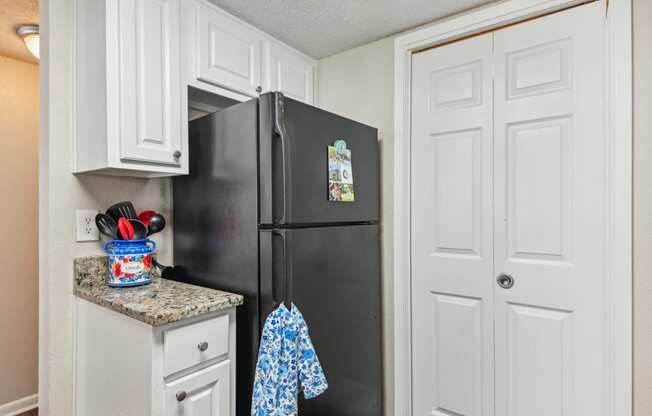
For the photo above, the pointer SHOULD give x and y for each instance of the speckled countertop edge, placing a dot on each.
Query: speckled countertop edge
(161, 302)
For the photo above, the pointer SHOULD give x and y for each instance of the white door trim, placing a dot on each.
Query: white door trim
(618, 65)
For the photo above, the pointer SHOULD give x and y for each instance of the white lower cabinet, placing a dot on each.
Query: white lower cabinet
(126, 367)
(203, 393)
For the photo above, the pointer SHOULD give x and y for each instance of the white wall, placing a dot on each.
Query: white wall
(642, 15)
(60, 194)
(358, 84)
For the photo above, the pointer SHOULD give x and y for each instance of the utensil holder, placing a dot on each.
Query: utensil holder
(130, 262)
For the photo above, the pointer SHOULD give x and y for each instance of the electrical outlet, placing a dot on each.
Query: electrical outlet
(86, 228)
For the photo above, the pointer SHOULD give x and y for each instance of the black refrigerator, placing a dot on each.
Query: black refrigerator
(258, 215)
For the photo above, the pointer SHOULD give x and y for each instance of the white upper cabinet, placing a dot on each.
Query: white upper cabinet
(228, 52)
(229, 57)
(128, 85)
(149, 81)
(289, 72)
(133, 64)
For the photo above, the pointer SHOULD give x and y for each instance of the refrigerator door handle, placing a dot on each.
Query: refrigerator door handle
(282, 134)
(287, 270)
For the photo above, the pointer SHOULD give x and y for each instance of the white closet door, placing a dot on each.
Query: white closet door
(550, 198)
(452, 254)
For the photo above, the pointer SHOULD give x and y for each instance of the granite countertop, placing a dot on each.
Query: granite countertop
(161, 302)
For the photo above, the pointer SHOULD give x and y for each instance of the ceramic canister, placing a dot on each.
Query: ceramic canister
(130, 262)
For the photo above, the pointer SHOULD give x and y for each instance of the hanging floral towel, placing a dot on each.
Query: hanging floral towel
(287, 364)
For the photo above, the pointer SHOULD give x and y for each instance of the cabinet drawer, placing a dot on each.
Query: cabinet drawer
(193, 344)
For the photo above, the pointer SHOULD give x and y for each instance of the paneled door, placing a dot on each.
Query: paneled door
(146, 48)
(288, 72)
(549, 167)
(203, 393)
(452, 217)
(508, 221)
(228, 53)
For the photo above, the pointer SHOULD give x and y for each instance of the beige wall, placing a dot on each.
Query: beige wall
(60, 194)
(359, 84)
(642, 207)
(19, 98)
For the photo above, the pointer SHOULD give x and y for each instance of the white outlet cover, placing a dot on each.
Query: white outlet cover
(86, 228)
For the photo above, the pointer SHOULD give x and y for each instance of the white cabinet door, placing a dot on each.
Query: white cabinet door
(452, 257)
(228, 52)
(148, 81)
(288, 72)
(550, 201)
(204, 393)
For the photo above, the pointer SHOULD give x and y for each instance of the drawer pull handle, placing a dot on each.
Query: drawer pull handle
(203, 346)
(181, 396)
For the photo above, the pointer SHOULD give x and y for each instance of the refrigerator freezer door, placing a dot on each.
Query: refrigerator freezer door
(294, 170)
(336, 285)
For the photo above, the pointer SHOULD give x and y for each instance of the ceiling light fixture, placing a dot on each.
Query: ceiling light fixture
(30, 35)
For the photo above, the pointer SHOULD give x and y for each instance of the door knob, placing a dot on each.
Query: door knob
(505, 281)
(181, 396)
(176, 154)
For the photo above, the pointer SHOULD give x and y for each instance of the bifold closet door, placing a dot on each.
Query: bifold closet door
(508, 221)
(452, 215)
(550, 202)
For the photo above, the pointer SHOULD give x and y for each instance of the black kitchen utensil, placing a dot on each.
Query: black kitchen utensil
(156, 224)
(122, 209)
(107, 225)
(140, 230)
(178, 273)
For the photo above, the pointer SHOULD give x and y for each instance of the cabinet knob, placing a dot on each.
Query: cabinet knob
(203, 346)
(181, 396)
(259, 89)
(176, 154)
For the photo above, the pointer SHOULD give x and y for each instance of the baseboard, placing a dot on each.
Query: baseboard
(19, 406)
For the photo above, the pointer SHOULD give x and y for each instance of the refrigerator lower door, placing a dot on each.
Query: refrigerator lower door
(336, 285)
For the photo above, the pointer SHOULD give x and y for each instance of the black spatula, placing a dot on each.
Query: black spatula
(107, 225)
(122, 209)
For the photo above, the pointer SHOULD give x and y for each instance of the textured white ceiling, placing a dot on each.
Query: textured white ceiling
(12, 14)
(320, 28)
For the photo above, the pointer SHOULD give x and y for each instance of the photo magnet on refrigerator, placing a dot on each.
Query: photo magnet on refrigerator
(340, 173)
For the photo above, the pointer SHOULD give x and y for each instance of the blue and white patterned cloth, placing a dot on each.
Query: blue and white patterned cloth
(287, 364)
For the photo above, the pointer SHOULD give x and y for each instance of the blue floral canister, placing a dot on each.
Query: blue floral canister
(130, 262)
